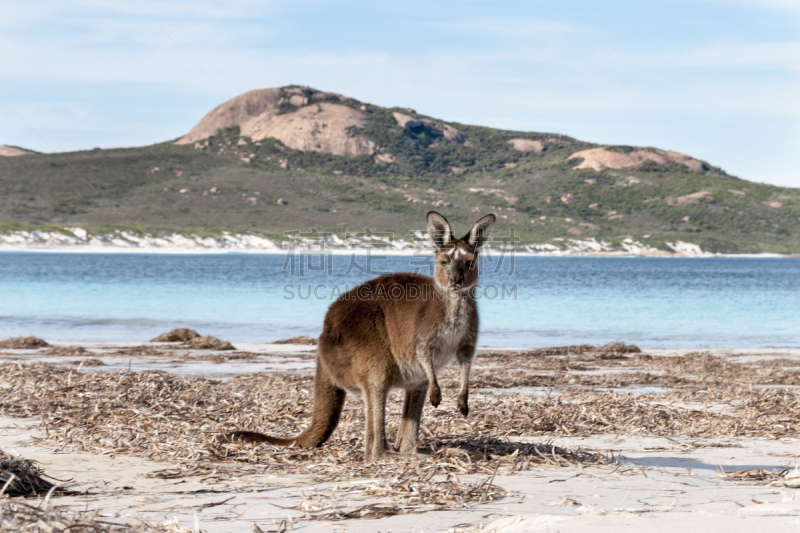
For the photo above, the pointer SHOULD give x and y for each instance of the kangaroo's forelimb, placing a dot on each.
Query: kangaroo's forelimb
(464, 357)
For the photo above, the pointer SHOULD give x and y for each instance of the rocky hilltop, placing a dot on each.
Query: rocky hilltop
(306, 119)
(299, 117)
(13, 151)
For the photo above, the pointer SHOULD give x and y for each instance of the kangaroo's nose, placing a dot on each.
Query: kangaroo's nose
(459, 280)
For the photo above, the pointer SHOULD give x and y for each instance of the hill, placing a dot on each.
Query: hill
(275, 160)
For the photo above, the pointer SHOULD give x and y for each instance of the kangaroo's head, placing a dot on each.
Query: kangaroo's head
(456, 261)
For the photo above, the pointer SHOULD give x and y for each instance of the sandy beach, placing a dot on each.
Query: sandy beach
(569, 439)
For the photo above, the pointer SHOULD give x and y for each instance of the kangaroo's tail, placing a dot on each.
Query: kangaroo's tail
(328, 405)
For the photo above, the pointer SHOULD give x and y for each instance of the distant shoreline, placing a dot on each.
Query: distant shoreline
(90, 249)
(79, 240)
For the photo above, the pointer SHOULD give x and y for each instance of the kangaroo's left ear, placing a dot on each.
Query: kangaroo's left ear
(439, 229)
(481, 231)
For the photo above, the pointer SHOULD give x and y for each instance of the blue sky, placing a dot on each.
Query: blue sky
(715, 79)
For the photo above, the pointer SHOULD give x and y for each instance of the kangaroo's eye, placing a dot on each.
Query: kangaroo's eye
(470, 264)
(443, 263)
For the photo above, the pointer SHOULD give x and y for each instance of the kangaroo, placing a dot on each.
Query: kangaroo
(396, 331)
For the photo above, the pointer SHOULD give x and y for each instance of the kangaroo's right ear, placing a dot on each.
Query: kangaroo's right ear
(439, 229)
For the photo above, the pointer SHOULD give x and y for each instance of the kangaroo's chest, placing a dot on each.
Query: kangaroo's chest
(447, 336)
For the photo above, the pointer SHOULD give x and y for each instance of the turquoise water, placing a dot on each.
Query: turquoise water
(547, 300)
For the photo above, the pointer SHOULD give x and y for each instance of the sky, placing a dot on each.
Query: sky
(716, 79)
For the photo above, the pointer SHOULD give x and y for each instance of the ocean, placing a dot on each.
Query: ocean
(525, 302)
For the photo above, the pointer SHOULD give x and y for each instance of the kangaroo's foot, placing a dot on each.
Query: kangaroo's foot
(377, 455)
(463, 404)
(436, 395)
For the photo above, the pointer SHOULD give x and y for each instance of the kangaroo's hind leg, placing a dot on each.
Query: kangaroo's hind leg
(407, 436)
(425, 358)
(375, 440)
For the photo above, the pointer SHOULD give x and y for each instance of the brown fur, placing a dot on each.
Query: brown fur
(396, 331)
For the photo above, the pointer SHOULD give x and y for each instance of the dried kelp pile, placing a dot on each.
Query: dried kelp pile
(21, 477)
(787, 477)
(614, 369)
(23, 343)
(167, 417)
(182, 353)
(483, 378)
(71, 351)
(17, 516)
(309, 341)
(608, 351)
(400, 495)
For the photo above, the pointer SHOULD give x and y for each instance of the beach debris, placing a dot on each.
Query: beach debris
(167, 417)
(695, 399)
(190, 339)
(67, 350)
(23, 343)
(207, 342)
(144, 350)
(16, 516)
(411, 493)
(561, 350)
(177, 335)
(787, 477)
(87, 362)
(617, 348)
(21, 477)
(419, 490)
(311, 341)
(613, 348)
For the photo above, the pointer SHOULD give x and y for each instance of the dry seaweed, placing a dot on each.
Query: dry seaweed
(406, 493)
(23, 343)
(224, 357)
(753, 475)
(142, 350)
(207, 342)
(21, 477)
(167, 417)
(177, 335)
(87, 362)
(68, 351)
(18, 516)
(311, 341)
(787, 477)
(492, 379)
(690, 371)
(172, 418)
(613, 348)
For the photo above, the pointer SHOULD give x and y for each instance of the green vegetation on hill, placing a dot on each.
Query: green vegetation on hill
(233, 184)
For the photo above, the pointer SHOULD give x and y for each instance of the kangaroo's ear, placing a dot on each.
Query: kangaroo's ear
(439, 229)
(481, 231)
